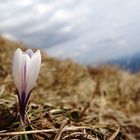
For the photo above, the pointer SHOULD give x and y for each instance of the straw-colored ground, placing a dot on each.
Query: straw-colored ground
(71, 102)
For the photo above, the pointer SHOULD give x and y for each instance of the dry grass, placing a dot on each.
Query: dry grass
(71, 101)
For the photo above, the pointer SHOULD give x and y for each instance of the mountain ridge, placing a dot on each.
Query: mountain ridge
(129, 62)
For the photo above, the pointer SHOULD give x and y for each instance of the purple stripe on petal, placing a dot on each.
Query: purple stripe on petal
(25, 72)
(29, 52)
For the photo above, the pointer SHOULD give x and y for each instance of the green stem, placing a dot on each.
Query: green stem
(24, 136)
(22, 108)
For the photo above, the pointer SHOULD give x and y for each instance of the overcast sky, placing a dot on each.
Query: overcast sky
(86, 30)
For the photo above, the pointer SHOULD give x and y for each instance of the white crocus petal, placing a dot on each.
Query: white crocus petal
(17, 70)
(29, 52)
(33, 70)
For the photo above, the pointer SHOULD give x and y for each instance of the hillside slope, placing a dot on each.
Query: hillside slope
(99, 103)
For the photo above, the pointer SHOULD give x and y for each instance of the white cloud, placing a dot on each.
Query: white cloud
(66, 29)
(42, 9)
(24, 3)
(122, 44)
(62, 15)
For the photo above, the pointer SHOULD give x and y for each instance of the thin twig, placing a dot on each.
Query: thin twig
(59, 133)
(44, 131)
(28, 132)
(73, 134)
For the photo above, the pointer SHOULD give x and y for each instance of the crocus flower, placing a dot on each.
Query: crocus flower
(26, 67)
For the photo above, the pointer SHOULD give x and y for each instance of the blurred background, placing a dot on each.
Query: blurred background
(88, 31)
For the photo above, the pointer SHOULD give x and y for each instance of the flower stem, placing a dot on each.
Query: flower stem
(24, 136)
(22, 108)
(22, 114)
(22, 121)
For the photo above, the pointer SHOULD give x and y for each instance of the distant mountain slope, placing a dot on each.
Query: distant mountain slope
(130, 63)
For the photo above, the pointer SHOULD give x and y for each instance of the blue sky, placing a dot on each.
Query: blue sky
(85, 30)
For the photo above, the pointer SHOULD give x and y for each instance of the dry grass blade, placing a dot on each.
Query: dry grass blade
(115, 134)
(2, 88)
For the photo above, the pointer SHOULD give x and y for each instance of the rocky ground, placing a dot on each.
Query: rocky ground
(70, 101)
